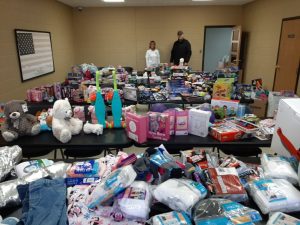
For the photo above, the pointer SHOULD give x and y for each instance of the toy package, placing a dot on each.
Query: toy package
(242, 91)
(225, 183)
(172, 115)
(223, 211)
(181, 122)
(111, 186)
(179, 194)
(223, 132)
(137, 127)
(135, 201)
(159, 126)
(222, 88)
(199, 122)
(171, 218)
(280, 218)
(275, 195)
(224, 108)
(278, 167)
(200, 157)
(88, 168)
(245, 126)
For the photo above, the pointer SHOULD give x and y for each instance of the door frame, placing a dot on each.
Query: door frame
(204, 40)
(284, 19)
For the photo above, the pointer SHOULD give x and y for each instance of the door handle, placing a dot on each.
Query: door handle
(277, 67)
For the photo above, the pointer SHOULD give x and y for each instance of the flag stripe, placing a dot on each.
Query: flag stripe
(27, 69)
(34, 62)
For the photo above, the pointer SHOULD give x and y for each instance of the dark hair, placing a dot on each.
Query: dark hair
(180, 32)
(152, 42)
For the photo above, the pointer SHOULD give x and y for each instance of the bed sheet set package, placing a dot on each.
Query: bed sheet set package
(279, 167)
(25, 168)
(171, 218)
(225, 183)
(280, 218)
(111, 186)
(273, 195)
(223, 211)
(179, 194)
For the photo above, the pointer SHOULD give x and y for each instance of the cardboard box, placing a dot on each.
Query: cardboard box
(259, 107)
(288, 122)
(137, 127)
(224, 133)
(159, 126)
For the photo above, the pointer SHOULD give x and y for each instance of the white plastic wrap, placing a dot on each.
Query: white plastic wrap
(111, 186)
(273, 195)
(9, 157)
(180, 194)
(171, 218)
(280, 218)
(278, 167)
(136, 200)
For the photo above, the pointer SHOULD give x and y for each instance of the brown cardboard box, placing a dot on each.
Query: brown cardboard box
(259, 107)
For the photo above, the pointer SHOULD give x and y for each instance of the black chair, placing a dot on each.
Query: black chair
(31, 152)
(82, 152)
(240, 151)
(128, 69)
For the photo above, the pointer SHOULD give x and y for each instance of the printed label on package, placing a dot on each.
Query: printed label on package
(283, 219)
(84, 167)
(135, 193)
(270, 190)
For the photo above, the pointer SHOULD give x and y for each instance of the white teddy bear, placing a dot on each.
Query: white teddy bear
(92, 128)
(63, 124)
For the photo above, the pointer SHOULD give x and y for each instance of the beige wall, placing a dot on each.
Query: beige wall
(46, 15)
(121, 35)
(262, 19)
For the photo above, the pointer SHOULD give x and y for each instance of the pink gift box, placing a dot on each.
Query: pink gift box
(159, 126)
(181, 123)
(172, 113)
(136, 127)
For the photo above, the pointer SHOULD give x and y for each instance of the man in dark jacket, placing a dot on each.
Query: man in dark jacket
(181, 49)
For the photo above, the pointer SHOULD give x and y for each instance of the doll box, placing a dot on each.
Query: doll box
(181, 123)
(159, 126)
(137, 127)
(172, 115)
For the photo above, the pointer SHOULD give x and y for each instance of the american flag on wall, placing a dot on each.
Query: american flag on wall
(35, 53)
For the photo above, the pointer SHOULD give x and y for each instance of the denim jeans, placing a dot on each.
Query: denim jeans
(44, 202)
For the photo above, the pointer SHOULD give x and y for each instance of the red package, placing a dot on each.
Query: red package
(225, 183)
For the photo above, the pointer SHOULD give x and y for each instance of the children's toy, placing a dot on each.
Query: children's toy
(199, 122)
(89, 128)
(159, 126)
(137, 127)
(222, 88)
(245, 126)
(171, 218)
(200, 157)
(91, 111)
(99, 104)
(25, 168)
(78, 112)
(278, 167)
(181, 122)
(111, 186)
(180, 194)
(275, 195)
(281, 218)
(130, 108)
(63, 124)
(116, 104)
(18, 123)
(172, 115)
(224, 108)
(42, 118)
(223, 211)
(225, 183)
(135, 201)
(223, 132)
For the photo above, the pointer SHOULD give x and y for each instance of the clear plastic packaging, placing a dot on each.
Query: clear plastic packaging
(278, 167)
(171, 218)
(280, 218)
(225, 183)
(135, 201)
(27, 167)
(179, 194)
(223, 211)
(111, 186)
(273, 195)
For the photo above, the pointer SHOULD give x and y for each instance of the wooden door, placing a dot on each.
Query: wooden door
(287, 68)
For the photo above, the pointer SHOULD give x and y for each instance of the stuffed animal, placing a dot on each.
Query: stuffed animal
(89, 128)
(79, 113)
(92, 113)
(17, 123)
(42, 118)
(63, 124)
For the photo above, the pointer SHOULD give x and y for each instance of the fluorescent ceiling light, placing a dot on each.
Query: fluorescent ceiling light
(113, 0)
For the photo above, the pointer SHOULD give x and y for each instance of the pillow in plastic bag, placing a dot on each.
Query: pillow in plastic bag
(281, 218)
(171, 218)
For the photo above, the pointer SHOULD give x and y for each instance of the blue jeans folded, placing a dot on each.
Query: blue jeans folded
(44, 202)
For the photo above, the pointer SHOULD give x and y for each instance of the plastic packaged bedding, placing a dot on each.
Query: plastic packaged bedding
(273, 195)
(223, 211)
(89, 168)
(171, 218)
(280, 218)
(111, 186)
(135, 201)
(179, 194)
(27, 167)
(278, 167)
(225, 183)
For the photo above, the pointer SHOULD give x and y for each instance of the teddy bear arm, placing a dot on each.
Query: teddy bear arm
(31, 118)
(76, 125)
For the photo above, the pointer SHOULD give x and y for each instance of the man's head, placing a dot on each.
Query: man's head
(180, 35)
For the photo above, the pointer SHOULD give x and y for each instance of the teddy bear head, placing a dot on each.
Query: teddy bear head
(13, 109)
(62, 109)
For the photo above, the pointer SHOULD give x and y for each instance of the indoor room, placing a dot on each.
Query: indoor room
(159, 112)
